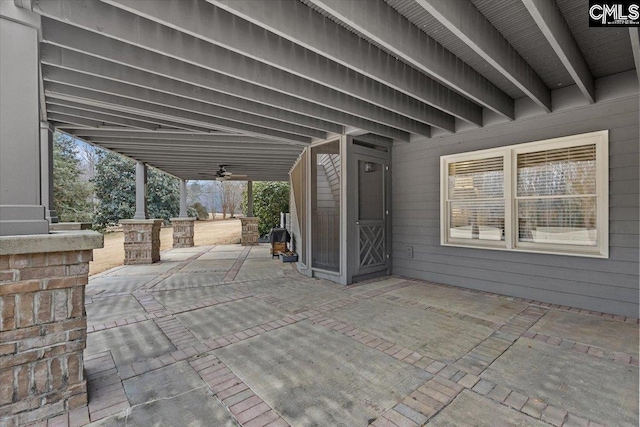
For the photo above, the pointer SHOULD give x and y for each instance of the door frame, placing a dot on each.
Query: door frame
(312, 271)
(355, 153)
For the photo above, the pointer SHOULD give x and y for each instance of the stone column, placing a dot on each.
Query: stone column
(21, 210)
(250, 234)
(183, 232)
(46, 172)
(141, 191)
(43, 325)
(183, 199)
(141, 240)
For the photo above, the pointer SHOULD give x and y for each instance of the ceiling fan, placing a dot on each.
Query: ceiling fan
(223, 175)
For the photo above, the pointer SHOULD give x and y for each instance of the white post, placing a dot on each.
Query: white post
(250, 199)
(141, 191)
(183, 199)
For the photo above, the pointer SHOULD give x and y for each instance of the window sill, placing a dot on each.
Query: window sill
(530, 250)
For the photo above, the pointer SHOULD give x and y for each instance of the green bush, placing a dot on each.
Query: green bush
(269, 199)
(200, 211)
(192, 213)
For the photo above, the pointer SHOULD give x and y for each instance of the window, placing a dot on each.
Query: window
(546, 196)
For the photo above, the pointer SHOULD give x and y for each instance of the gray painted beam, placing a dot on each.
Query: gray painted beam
(294, 21)
(112, 112)
(140, 59)
(107, 116)
(57, 118)
(141, 107)
(212, 158)
(548, 17)
(634, 33)
(211, 148)
(233, 117)
(382, 24)
(218, 27)
(224, 62)
(465, 21)
(109, 70)
(169, 136)
(62, 112)
(196, 162)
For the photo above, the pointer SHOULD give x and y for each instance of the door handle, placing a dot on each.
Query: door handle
(357, 222)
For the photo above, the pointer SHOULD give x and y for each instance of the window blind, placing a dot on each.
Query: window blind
(565, 171)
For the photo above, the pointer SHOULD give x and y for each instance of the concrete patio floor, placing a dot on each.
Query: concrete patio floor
(225, 335)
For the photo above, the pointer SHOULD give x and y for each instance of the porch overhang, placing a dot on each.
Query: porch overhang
(193, 84)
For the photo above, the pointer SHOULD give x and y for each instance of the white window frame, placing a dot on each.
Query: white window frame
(509, 154)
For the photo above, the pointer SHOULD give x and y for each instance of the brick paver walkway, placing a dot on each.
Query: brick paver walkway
(241, 339)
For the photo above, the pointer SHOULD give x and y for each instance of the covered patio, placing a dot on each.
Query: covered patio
(464, 209)
(225, 335)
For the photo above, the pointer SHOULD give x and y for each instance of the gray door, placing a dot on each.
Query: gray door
(371, 215)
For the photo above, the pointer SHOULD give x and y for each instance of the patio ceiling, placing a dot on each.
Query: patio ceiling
(185, 85)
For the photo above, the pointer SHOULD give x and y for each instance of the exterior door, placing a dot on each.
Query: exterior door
(371, 215)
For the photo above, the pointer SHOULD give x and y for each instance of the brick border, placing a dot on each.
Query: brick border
(248, 409)
(614, 356)
(106, 391)
(233, 272)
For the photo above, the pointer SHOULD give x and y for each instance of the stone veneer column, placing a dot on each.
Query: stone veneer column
(183, 232)
(249, 231)
(141, 240)
(43, 325)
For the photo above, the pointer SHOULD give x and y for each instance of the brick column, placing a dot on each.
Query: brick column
(249, 231)
(141, 240)
(43, 325)
(183, 232)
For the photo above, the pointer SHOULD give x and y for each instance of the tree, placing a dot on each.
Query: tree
(71, 194)
(115, 188)
(231, 197)
(269, 199)
(204, 192)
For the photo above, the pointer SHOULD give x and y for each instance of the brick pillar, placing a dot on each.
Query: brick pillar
(183, 232)
(141, 240)
(249, 231)
(43, 325)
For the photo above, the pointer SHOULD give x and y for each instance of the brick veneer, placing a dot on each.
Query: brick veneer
(43, 330)
(141, 240)
(183, 232)
(249, 231)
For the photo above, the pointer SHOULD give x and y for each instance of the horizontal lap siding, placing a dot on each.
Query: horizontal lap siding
(609, 285)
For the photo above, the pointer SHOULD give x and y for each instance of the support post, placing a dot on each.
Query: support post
(141, 191)
(46, 172)
(250, 234)
(183, 199)
(183, 232)
(249, 198)
(43, 324)
(21, 210)
(141, 240)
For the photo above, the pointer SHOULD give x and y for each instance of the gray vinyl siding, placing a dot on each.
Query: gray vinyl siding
(608, 285)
